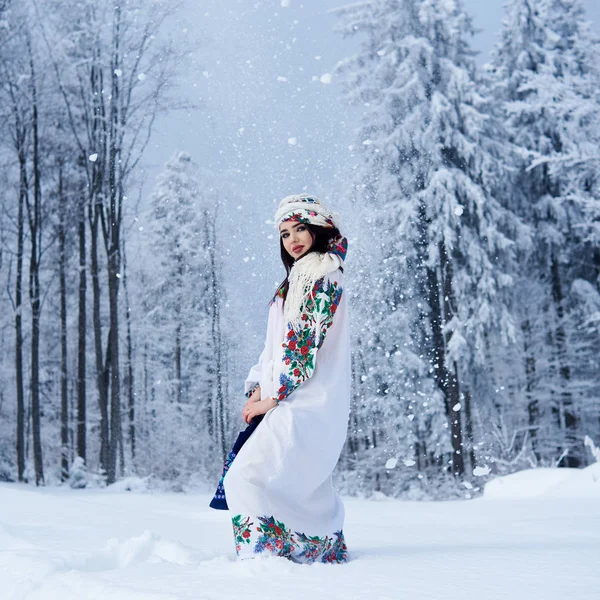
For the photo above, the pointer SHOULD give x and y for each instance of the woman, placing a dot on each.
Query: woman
(279, 486)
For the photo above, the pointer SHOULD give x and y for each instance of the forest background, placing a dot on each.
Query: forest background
(144, 148)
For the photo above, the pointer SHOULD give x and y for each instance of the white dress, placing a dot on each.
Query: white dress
(279, 488)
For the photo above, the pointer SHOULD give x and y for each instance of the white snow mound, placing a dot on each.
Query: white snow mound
(145, 548)
(583, 483)
(550, 482)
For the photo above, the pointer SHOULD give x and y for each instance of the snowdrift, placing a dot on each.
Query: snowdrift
(547, 482)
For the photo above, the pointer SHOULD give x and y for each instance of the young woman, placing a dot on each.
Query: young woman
(279, 488)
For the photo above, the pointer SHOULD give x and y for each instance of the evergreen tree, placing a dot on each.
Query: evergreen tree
(186, 412)
(544, 73)
(432, 172)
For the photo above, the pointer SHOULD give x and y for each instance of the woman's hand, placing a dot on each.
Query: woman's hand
(254, 397)
(258, 408)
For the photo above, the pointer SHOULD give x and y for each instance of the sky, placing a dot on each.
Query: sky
(265, 111)
(271, 121)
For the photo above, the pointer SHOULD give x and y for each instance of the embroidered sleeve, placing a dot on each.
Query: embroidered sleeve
(253, 378)
(250, 391)
(301, 345)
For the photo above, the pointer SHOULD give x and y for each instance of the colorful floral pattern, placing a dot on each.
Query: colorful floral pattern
(274, 538)
(299, 216)
(278, 294)
(241, 531)
(313, 546)
(324, 549)
(305, 215)
(300, 347)
(338, 246)
(251, 390)
(338, 552)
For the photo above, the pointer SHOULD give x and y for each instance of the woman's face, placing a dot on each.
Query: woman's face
(296, 238)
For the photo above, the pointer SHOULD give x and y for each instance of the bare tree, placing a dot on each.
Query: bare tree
(34, 217)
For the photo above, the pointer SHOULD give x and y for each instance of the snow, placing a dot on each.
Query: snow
(94, 544)
(581, 483)
(481, 471)
(526, 484)
(552, 483)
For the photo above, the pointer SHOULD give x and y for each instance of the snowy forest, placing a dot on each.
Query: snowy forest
(472, 205)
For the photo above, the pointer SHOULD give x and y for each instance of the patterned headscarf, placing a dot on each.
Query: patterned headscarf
(311, 267)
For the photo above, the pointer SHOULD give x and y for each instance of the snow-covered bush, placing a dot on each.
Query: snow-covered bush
(78, 478)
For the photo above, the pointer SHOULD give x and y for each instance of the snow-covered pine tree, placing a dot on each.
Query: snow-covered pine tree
(545, 75)
(183, 342)
(436, 298)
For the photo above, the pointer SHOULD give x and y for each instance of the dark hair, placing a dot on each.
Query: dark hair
(321, 236)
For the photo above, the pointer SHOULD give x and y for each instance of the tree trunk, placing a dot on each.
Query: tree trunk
(23, 189)
(129, 383)
(444, 375)
(115, 382)
(469, 429)
(64, 399)
(216, 337)
(532, 402)
(35, 227)
(81, 341)
(568, 418)
(97, 324)
(178, 363)
(452, 382)
(112, 230)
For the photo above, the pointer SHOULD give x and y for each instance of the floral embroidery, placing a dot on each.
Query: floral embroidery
(300, 217)
(324, 549)
(300, 347)
(241, 531)
(278, 294)
(338, 246)
(274, 537)
(338, 552)
(251, 390)
(313, 546)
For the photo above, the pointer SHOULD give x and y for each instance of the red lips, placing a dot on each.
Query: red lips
(297, 248)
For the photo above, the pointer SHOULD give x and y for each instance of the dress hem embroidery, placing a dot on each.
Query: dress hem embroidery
(274, 538)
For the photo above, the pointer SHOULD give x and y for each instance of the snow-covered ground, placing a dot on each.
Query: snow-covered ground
(58, 543)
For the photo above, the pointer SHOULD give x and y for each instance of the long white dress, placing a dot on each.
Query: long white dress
(279, 487)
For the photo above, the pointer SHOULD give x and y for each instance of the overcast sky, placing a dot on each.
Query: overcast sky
(266, 112)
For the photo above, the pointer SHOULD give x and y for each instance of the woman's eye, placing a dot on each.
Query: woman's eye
(301, 228)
